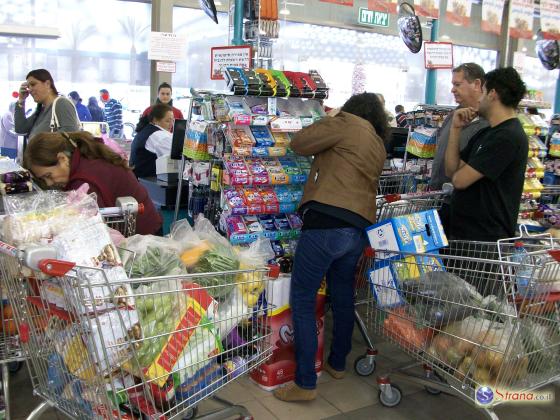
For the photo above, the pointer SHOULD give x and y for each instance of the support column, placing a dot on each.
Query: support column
(506, 47)
(162, 21)
(238, 23)
(556, 107)
(431, 74)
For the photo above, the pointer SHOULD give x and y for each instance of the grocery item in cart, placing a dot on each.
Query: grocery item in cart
(417, 232)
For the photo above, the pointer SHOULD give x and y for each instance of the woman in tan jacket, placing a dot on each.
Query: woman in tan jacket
(338, 204)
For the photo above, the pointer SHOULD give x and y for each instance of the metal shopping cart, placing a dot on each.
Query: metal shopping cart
(470, 318)
(388, 206)
(152, 348)
(122, 217)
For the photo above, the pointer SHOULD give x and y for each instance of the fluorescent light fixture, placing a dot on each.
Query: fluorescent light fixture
(217, 3)
(285, 11)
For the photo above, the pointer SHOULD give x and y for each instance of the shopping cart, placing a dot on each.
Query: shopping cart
(388, 206)
(153, 348)
(123, 216)
(470, 318)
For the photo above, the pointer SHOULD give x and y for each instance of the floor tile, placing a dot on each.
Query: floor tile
(259, 411)
(348, 394)
(236, 392)
(310, 410)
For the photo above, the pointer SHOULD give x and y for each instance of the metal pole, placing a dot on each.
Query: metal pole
(238, 23)
(182, 169)
(556, 107)
(431, 74)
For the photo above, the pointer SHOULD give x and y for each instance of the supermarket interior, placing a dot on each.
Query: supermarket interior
(278, 209)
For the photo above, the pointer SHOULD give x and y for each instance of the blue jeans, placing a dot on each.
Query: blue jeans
(320, 252)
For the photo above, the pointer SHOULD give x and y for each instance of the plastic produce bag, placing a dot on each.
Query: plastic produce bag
(151, 256)
(439, 297)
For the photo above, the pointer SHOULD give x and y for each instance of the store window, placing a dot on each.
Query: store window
(103, 44)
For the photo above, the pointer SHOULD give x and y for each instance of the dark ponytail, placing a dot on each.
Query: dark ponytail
(157, 112)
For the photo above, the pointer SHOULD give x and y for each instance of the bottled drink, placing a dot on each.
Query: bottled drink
(524, 271)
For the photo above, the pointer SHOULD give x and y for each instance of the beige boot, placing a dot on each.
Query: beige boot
(336, 374)
(293, 392)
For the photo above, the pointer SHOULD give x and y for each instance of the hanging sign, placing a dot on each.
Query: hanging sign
(438, 55)
(373, 17)
(166, 66)
(427, 8)
(521, 18)
(221, 57)
(388, 6)
(550, 19)
(167, 46)
(341, 2)
(492, 11)
(459, 12)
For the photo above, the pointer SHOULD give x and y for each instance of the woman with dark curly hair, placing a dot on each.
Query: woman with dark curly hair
(338, 204)
(66, 161)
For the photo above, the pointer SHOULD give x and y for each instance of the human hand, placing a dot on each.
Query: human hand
(463, 117)
(23, 92)
(333, 112)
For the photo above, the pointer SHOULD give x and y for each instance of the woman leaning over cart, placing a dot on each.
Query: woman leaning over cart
(40, 85)
(68, 160)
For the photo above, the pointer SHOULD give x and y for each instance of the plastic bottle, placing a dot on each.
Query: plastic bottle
(524, 272)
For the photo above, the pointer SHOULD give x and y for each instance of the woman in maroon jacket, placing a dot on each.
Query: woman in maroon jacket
(68, 160)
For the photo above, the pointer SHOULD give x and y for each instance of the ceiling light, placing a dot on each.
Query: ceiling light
(285, 11)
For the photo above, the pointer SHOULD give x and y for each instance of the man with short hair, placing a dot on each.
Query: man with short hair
(164, 97)
(81, 109)
(488, 174)
(401, 116)
(113, 114)
(467, 82)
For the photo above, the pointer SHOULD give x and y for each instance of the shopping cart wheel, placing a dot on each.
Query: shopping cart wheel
(14, 367)
(390, 400)
(365, 365)
(190, 413)
(435, 377)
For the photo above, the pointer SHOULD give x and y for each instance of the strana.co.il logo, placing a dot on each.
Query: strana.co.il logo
(484, 396)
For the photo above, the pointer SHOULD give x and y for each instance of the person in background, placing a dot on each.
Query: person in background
(488, 175)
(83, 112)
(467, 80)
(400, 117)
(95, 110)
(390, 116)
(339, 202)
(112, 114)
(164, 97)
(40, 85)
(153, 140)
(66, 161)
(8, 138)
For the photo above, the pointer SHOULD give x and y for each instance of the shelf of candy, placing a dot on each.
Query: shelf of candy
(262, 82)
(422, 142)
(256, 141)
(13, 178)
(535, 168)
(248, 228)
(241, 171)
(261, 200)
(533, 125)
(534, 99)
(536, 147)
(429, 117)
(532, 189)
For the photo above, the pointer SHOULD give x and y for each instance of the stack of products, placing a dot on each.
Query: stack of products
(423, 142)
(258, 141)
(246, 229)
(13, 178)
(265, 171)
(262, 200)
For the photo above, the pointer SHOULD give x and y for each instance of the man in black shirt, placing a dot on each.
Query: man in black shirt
(488, 175)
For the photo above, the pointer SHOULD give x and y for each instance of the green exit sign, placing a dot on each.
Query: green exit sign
(373, 17)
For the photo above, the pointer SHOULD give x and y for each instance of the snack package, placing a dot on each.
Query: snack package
(236, 226)
(262, 136)
(255, 203)
(236, 201)
(253, 225)
(267, 223)
(270, 200)
(111, 334)
(259, 174)
(237, 172)
(295, 221)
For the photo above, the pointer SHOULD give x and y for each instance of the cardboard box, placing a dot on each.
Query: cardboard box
(387, 275)
(419, 232)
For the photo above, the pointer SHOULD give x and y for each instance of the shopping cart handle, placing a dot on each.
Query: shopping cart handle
(369, 252)
(555, 254)
(55, 268)
(140, 208)
(391, 198)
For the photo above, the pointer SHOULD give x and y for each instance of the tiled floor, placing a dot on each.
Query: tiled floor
(354, 398)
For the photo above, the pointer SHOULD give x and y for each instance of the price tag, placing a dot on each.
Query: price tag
(242, 119)
(260, 120)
